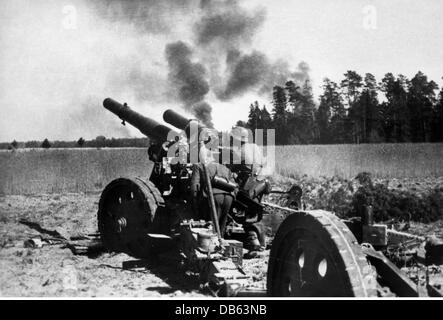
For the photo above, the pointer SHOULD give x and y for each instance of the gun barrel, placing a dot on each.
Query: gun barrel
(175, 119)
(147, 126)
(178, 121)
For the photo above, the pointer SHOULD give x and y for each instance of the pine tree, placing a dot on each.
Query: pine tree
(301, 114)
(368, 109)
(265, 118)
(81, 142)
(46, 144)
(307, 114)
(331, 115)
(254, 116)
(394, 113)
(294, 97)
(279, 115)
(437, 123)
(351, 88)
(421, 98)
(386, 108)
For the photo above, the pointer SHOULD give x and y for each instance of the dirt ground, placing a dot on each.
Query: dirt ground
(54, 271)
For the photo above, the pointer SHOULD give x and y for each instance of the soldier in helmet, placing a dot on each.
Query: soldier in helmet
(249, 154)
(252, 171)
(223, 199)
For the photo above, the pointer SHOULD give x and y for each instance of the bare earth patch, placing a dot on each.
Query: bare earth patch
(55, 271)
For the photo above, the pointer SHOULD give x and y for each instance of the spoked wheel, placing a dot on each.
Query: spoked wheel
(126, 213)
(314, 254)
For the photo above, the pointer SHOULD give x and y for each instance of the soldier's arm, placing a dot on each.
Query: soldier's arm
(195, 180)
(230, 175)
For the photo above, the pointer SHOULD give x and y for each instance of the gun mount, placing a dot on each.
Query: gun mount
(313, 252)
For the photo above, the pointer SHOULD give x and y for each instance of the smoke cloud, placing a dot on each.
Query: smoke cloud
(202, 111)
(225, 32)
(228, 24)
(223, 35)
(58, 63)
(148, 16)
(151, 54)
(189, 78)
(255, 71)
(247, 71)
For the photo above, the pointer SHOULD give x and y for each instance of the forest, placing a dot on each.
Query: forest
(356, 110)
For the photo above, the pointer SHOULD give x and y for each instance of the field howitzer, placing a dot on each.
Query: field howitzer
(313, 252)
(174, 179)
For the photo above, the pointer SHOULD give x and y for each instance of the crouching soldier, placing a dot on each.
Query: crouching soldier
(223, 199)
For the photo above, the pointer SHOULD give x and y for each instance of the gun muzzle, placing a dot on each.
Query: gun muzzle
(175, 119)
(147, 126)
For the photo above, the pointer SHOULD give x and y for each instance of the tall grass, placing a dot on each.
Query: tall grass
(33, 171)
(381, 160)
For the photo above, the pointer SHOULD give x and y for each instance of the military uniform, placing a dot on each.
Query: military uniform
(249, 154)
(223, 199)
(253, 169)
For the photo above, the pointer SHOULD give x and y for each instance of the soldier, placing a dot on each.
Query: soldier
(223, 199)
(248, 153)
(255, 168)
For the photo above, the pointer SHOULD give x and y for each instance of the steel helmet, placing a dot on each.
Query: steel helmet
(240, 134)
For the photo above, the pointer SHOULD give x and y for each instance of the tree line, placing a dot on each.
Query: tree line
(98, 142)
(355, 110)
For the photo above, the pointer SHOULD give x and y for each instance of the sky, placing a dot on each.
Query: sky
(55, 71)
(331, 36)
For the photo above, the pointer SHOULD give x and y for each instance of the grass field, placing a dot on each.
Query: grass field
(381, 160)
(36, 171)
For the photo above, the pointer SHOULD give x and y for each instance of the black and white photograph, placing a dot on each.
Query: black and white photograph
(221, 150)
